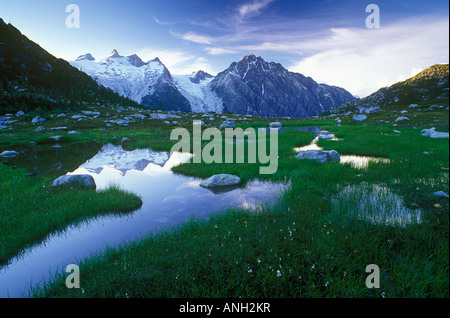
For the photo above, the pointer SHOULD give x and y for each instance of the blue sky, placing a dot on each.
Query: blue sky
(325, 39)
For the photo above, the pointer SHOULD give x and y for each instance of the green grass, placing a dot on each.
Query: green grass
(308, 245)
(31, 208)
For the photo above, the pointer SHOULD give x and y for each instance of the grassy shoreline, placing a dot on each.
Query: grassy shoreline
(302, 247)
(306, 245)
(31, 209)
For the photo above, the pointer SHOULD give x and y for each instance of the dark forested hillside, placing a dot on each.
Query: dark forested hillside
(32, 78)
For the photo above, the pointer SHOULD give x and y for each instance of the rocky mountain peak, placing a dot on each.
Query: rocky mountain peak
(85, 57)
(114, 54)
(250, 58)
(156, 59)
(200, 76)
(135, 60)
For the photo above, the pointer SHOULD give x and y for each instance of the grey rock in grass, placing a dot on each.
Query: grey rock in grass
(140, 116)
(227, 124)
(326, 135)
(3, 127)
(359, 117)
(369, 110)
(74, 132)
(199, 122)
(40, 128)
(322, 156)
(90, 113)
(85, 180)
(413, 106)
(61, 115)
(9, 154)
(435, 106)
(401, 119)
(432, 133)
(221, 180)
(38, 119)
(441, 194)
(120, 121)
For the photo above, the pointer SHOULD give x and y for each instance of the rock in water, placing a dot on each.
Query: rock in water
(275, 125)
(221, 180)
(319, 155)
(85, 180)
(326, 135)
(9, 154)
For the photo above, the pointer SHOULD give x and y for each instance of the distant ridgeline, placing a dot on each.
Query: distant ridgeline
(32, 78)
(430, 84)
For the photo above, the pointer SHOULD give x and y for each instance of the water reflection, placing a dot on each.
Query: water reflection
(375, 204)
(46, 160)
(168, 200)
(357, 162)
(362, 162)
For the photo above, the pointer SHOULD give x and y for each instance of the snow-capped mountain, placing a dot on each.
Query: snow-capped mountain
(195, 88)
(31, 78)
(149, 84)
(251, 86)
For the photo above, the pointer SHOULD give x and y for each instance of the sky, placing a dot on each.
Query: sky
(327, 40)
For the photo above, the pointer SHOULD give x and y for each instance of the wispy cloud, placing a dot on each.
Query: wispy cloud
(193, 37)
(359, 59)
(162, 22)
(232, 26)
(170, 58)
(252, 8)
(362, 61)
(178, 62)
(219, 50)
(194, 65)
